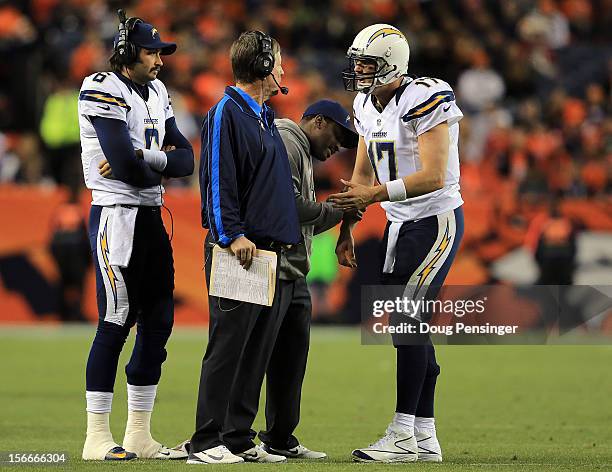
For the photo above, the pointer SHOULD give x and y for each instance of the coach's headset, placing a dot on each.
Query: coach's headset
(125, 49)
(263, 64)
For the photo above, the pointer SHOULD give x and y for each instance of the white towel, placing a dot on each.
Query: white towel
(122, 235)
(394, 229)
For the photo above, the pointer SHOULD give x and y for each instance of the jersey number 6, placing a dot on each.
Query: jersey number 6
(151, 134)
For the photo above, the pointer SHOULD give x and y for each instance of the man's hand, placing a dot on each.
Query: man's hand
(104, 169)
(353, 216)
(244, 250)
(345, 249)
(358, 196)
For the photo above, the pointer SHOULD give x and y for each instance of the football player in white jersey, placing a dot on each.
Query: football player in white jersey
(129, 141)
(407, 159)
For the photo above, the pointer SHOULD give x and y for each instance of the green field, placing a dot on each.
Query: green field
(498, 408)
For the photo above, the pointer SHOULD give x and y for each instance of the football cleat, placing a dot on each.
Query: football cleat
(297, 452)
(119, 454)
(214, 455)
(151, 449)
(429, 447)
(166, 453)
(97, 449)
(185, 446)
(394, 446)
(259, 454)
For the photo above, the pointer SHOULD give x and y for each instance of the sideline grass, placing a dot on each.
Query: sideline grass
(519, 408)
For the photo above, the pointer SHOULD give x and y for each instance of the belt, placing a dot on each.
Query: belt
(266, 245)
(272, 245)
(140, 207)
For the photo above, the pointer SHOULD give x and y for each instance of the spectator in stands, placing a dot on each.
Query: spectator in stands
(480, 86)
(59, 130)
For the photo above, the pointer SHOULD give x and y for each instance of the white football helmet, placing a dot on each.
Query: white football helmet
(384, 45)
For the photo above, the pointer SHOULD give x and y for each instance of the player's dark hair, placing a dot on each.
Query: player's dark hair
(242, 55)
(116, 62)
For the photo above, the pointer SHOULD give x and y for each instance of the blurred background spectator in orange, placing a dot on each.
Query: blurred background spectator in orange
(533, 77)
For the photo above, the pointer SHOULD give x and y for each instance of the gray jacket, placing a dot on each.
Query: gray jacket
(315, 217)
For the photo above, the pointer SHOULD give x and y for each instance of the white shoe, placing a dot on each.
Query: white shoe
(429, 447)
(185, 446)
(153, 450)
(394, 446)
(214, 455)
(297, 452)
(167, 453)
(259, 454)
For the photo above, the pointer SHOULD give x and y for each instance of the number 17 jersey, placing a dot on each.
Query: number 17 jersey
(391, 139)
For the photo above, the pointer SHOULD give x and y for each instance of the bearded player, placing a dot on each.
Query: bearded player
(129, 141)
(407, 159)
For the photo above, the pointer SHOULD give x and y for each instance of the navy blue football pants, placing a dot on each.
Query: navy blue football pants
(418, 254)
(139, 294)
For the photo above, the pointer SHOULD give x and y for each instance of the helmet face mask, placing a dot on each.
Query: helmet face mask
(365, 81)
(383, 46)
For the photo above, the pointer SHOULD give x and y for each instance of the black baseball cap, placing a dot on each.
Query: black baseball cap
(335, 112)
(145, 35)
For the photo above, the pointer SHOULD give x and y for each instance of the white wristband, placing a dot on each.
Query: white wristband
(396, 190)
(156, 159)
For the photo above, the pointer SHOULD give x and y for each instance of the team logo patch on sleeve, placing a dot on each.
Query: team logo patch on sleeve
(429, 105)
(103, 97)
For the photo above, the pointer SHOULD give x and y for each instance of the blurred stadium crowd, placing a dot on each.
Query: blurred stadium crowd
(533, 78)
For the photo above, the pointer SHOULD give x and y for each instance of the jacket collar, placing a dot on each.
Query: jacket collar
(246, 99)
(250, 106)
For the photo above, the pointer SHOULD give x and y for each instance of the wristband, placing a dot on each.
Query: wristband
(396, 190)
(156, 159)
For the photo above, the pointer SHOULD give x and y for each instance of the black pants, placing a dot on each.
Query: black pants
(241, 338)
(286, 370)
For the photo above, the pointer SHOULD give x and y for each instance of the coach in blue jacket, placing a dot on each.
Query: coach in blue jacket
(247, 203)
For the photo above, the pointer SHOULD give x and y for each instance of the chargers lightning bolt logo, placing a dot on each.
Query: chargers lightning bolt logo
(439, 251)
(384, 32)
(112, 278)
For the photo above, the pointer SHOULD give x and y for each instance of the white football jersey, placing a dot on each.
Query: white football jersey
(391, 140)
(107, 96)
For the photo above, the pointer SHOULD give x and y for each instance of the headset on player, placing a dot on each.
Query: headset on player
(127, 52)
(125, 49)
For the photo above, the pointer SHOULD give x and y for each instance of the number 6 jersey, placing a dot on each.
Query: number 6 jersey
(391, 138)
(106, 95)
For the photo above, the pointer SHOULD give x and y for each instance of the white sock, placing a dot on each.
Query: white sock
(404, 422)
(138, 437)
(427, 425)
(99, 402)
(141, 397)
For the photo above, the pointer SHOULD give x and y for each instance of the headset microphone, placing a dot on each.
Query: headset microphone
(283, 90)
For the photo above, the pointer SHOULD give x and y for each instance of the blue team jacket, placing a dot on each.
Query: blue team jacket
(245, 178)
